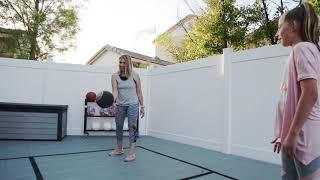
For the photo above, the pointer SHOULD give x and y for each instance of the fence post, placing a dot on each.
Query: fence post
(227, 69)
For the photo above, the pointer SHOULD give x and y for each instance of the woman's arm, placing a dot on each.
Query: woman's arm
(114, 87)
(138, 89)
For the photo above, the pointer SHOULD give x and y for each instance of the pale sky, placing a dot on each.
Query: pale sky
(127, 24)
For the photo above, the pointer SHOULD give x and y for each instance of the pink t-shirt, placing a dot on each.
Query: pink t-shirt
(304, 63)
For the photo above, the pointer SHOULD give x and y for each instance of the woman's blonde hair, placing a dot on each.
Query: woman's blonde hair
(127, 59)
(308, 18)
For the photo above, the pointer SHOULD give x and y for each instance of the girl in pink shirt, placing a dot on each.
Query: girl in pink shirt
(298, 112)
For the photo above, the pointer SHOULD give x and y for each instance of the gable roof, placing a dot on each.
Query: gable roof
(177, 24)
(120, 51)
(182, 21)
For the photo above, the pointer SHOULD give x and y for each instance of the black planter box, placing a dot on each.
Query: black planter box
(33, 121)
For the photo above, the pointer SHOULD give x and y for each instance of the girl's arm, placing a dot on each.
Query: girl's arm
(309, 96)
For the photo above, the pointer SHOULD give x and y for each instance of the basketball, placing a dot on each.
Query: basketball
(105, 99)
(91, 97)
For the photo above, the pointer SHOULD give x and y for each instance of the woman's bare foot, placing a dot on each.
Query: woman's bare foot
(130, 157)
(116, 152)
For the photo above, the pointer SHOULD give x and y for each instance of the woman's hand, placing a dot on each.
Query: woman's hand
(142, 111)
(289, 144)
(277, 145)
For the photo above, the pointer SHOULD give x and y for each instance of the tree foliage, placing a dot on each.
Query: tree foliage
(223, 24)
(50, 25)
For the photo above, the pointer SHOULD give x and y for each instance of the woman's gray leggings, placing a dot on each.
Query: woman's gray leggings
(132, 112)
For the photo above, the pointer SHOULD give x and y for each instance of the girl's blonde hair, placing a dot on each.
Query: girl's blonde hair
(308, 18)
(127, 59)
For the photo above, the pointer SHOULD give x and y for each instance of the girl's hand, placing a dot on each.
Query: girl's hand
(277, 145)
(289, 144)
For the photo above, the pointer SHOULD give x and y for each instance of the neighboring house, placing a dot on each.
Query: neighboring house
(109, 56)
(178, 33)
(14, 43)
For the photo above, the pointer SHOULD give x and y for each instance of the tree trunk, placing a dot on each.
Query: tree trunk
(33, 35)
(281, 7)
(268, 25)
(33, 47)
(225, 33)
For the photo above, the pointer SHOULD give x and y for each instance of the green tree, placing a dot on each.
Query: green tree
(50, 25)
(169, 44)
(316, 4)
(13, 43)
(265, 27)
(222, 25)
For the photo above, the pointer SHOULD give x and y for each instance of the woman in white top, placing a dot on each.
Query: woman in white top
(126, 88)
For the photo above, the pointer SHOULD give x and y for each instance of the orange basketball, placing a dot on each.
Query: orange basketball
(91, 97)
